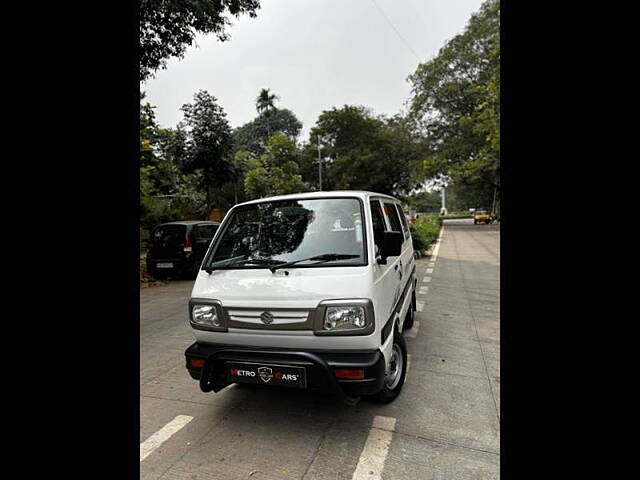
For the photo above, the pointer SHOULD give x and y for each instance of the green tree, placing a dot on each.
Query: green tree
(252, 136)
(209, 144)
(168, 27)
(266, 104)
(276, 171)
(363, 152)
(166, 192)
(455, 105)
(428, 202)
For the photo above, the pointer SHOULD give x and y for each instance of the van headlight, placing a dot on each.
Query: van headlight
(340, 317)
(206, 316)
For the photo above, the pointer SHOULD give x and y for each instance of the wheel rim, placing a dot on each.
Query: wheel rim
(394, 372)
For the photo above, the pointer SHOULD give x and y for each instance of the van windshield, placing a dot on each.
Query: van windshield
(265, 234)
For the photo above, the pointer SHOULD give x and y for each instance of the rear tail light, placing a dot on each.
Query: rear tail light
(197, 362)
(188, 245)
(350, 373)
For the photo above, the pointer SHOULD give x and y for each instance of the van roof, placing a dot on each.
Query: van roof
(364, 195)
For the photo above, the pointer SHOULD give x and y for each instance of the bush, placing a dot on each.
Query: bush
(425, 231)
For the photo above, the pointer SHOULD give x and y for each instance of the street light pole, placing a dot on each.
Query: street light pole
(444, 208)
(319, 164)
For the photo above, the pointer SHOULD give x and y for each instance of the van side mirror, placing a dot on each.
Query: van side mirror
(391, 246)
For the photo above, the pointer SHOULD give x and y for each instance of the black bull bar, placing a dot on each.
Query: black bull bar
(213, 375)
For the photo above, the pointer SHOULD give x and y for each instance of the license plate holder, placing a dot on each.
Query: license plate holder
(164, 265)
(267, 374)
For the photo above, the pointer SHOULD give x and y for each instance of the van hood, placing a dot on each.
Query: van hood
(302, 288)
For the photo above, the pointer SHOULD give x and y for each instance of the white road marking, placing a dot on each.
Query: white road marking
(431, 264)
(408, 365)
(426, 279)
(375, 450)
(419, 306)
(162, 435)
(423, 290)
(437, 247)
(429, 270)
(413, 332)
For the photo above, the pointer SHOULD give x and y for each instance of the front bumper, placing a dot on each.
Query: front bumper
(319, 365)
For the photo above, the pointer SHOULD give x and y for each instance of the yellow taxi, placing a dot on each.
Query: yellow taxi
(480, 216)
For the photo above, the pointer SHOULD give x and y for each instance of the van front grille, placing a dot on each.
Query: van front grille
(269, 318)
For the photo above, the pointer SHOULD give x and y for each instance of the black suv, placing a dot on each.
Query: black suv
(177, 248)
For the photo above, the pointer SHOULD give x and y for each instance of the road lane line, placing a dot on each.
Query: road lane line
(423, 290)
(426, 279)
(429, 270)
(162, 435)
(375, 449)
(408, 365)
(419, 306)
(436, 249)
(413, 332)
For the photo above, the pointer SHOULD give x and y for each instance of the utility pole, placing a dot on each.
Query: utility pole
(443, 210)
(319, 164)
(493, 203)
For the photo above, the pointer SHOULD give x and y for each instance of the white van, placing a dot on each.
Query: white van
(308, 291)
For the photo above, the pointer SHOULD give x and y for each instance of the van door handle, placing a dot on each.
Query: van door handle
(395, 267)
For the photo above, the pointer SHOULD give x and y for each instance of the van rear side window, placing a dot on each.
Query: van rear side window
(403, 220)
(392, 215)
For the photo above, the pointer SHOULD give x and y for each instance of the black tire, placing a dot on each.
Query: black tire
(408, 320)
(475, 222)
(388, 394)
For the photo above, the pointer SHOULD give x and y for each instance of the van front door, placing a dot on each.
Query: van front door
(387, 277)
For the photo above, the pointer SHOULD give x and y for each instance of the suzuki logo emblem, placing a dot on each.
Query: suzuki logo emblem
(266, 317)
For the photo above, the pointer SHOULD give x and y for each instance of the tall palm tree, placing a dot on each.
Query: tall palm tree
(266, 103)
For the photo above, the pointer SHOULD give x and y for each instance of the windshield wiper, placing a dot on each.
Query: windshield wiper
(325, 257)
(245, 261)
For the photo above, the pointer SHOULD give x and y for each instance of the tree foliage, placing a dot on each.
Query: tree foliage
(361, 151)
(455, 104)
(429, 202)
(252, 136)
(209, 143)
(168, 27)
(276, 171)
(166, 192)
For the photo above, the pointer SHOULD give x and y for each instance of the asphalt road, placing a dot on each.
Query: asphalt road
(444, 425)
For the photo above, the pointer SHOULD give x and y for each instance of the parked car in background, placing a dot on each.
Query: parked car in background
(177, 248)
(481, 216)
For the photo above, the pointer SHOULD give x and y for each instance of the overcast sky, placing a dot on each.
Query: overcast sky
(314, 54)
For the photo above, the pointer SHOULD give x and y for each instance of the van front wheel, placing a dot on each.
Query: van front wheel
(396, 373)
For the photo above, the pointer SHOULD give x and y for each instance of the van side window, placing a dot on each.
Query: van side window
(403, 220)
(377, 223)
(392, 215)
